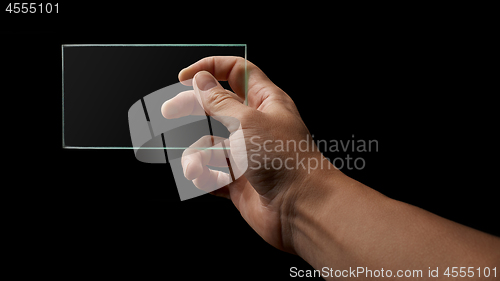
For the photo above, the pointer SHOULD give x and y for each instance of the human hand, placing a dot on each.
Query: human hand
(265, 194)
(310, 209)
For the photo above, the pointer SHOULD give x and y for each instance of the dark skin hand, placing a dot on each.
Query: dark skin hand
(320, 214)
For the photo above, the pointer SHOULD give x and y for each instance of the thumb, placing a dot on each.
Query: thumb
(217, 101)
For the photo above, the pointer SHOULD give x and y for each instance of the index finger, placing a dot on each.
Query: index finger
(232, 69)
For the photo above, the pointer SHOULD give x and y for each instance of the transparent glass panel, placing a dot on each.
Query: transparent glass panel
(102, 82)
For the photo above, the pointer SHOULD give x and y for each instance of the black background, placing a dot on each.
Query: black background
(422, 89)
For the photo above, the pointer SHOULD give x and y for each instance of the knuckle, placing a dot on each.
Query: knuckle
(218, 99)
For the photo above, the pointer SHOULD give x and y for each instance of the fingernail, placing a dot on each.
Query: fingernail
(185, 171)
(205, 81)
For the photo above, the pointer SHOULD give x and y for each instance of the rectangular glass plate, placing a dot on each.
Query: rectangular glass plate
(102, 82)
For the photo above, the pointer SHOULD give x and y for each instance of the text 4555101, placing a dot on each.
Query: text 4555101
(32, 8)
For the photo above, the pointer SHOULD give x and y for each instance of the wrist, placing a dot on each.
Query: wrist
(318, 216)
(306, 202)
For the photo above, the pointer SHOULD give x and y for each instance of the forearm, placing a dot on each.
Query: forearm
(352, 226)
